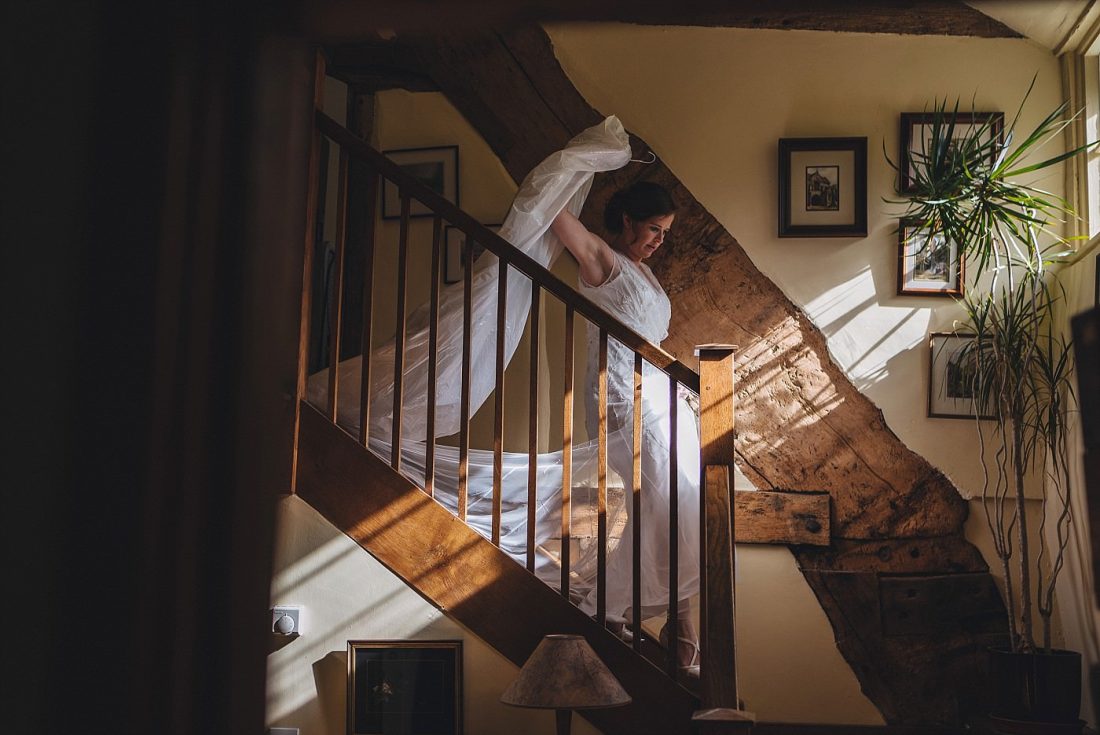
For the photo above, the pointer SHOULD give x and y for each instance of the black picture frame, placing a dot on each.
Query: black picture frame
(946, 387)
(911, 136)
(436, 167)
(404, 688)
(454, 244)
(939, 270)
(823, 187)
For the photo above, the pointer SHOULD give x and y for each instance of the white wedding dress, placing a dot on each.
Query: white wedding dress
(631, 294)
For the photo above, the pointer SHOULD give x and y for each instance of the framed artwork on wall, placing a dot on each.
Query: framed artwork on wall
(949, 389)
(404, 688)
(928, 265)
(822, 187)
(437, 168)
(916, 130)
(454, 247)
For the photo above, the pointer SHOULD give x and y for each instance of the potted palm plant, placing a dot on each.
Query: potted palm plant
(966, 186)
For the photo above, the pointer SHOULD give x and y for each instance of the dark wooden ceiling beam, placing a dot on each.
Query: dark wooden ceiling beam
(334, 20)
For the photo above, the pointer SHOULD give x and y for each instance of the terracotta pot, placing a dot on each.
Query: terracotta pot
(1036, 687)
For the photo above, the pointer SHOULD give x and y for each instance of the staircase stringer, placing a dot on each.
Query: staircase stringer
(465, 576)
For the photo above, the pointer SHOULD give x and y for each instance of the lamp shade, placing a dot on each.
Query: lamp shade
(565, 673)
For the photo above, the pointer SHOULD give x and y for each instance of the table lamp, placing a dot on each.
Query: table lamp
(564, 674)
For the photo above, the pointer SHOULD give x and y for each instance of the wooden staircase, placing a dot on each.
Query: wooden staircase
(466, 576)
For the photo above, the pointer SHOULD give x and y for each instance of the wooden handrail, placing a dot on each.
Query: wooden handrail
(494, 243)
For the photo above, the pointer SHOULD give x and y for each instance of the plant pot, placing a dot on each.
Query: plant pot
(1036, 687)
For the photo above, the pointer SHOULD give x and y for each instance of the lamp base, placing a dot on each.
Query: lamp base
(563, 717)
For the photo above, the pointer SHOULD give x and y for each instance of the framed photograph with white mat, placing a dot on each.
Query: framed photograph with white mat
(822, 187)
(916, 132)
(950, 390)
(928, 263)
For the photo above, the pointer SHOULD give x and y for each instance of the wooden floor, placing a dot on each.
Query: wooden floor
(779, 728)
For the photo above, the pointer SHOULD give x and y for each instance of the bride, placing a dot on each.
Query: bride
(542, 219)
(614, 277)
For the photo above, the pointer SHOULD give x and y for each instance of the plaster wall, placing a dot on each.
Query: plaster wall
(348, 595)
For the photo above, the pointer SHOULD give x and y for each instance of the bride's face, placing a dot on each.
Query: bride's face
(643, 237)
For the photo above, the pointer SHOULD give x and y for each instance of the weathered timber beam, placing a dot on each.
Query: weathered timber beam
(940, 603)
(934, 677)
(900, 556)
(762, 517)
(346, 19)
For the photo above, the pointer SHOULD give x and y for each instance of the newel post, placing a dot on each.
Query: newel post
(716, 439)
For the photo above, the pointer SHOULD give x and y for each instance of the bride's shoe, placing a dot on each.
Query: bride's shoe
(620, 631)
(688, 654)
(690, 669)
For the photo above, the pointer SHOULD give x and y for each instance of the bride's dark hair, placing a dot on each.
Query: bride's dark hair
(641, 200)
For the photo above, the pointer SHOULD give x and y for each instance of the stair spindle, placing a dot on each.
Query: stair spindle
(601, 487)
(498, 417)
(533, 425)
(433, 359)
(567, 452)
(368, 308)
(464, 409)
(337, 300)
(636, 507)
(399, 333)
(673, 530)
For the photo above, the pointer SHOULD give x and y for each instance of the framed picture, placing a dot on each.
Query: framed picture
(437, 168)
(916, 130)
(928, 266)
(404, 687)
(822, 187)
(949, 389)
(454, 247)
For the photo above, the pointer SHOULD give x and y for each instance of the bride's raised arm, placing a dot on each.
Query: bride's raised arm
(593, 255)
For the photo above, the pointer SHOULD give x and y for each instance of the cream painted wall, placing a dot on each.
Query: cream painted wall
(347, 595)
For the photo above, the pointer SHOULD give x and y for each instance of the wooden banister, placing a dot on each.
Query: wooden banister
(717, 520)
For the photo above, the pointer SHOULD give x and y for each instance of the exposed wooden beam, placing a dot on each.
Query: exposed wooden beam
(335, 20)
(781, 518)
